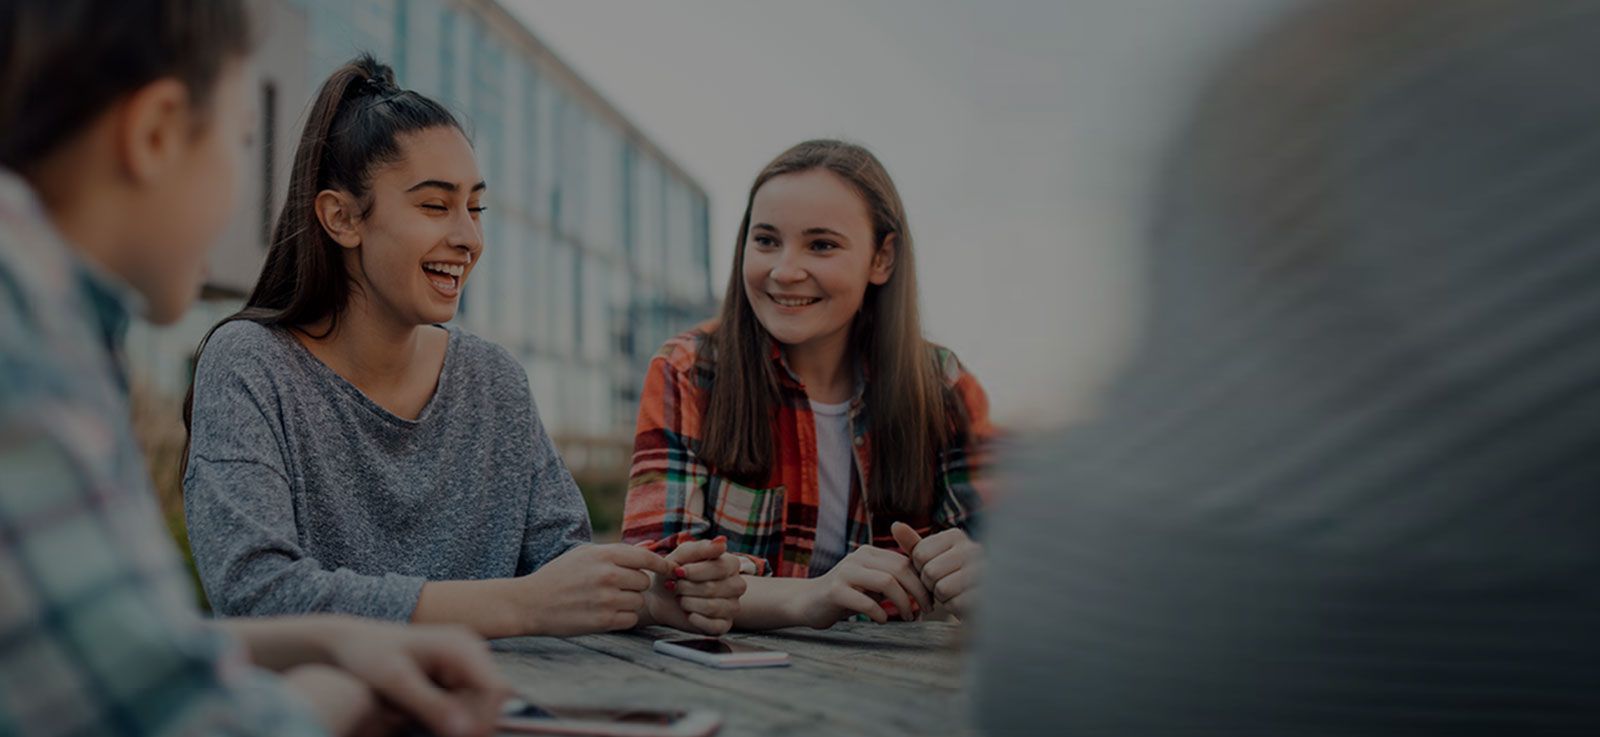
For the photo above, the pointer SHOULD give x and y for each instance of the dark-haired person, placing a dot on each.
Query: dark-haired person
(122, 125)
(351, 454)
(812, 425)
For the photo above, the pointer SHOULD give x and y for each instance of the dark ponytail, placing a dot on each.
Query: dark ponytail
(354, 125)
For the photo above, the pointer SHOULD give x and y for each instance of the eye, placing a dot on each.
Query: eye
(823, 245)
(765, 241)
(434, 207)
(475, 209)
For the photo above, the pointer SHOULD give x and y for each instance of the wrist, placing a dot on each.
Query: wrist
(797, 608)
(516, 607)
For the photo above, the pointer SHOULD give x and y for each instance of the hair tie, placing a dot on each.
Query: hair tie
(376, 86)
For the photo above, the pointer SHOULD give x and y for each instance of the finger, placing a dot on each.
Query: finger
(727, 588)
(934, 545)
(959, 604)
(900, 567)
(852, 600)
(410, 691)
(623, 620)
(625, 601)
(628, 579)
(713, 608)
(723, 566)
(461, 660)
(954, 585)
(886, 585)
(906, 536)
(709, 625)
(944, 565)
(698, 550)
(629, 556)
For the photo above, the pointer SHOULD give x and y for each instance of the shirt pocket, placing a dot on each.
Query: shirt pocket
(751, 518)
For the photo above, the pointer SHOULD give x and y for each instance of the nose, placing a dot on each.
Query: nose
(787, 269)
(466, 234)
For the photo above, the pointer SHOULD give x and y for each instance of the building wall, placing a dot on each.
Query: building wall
(597, 243)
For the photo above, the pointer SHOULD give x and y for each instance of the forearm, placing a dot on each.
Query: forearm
(281, 643)
(770, 602)
(491, 607)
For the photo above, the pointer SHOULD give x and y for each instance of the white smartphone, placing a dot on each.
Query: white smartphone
(522, 716)
(719, 653)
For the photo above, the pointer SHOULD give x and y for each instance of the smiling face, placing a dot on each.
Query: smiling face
(809, 257)
(421, 236)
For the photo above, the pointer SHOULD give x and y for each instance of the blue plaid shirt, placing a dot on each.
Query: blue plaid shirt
(98, 630)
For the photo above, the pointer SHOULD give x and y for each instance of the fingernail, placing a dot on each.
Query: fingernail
(680, 573)
(671, 584)
(720, 539)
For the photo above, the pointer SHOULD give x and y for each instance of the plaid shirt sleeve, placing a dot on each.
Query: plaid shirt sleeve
(666, 505)
(98, 632)
(964, 487)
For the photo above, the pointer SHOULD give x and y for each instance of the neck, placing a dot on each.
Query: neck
(369, 347)
(823, 365)
(88, 217)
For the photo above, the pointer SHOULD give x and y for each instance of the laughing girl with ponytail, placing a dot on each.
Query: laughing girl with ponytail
(352, 453)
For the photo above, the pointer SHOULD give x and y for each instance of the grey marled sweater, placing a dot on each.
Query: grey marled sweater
(303, 495)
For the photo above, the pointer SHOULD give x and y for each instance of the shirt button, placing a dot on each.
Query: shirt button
(859, 440)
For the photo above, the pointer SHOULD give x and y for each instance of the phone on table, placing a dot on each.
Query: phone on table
(523, 716)
(719, 653)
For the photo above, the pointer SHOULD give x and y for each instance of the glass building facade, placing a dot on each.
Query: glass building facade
(597, 244)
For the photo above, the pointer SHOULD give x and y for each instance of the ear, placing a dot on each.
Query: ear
(883, 260)
(339, 216)
(155, 125)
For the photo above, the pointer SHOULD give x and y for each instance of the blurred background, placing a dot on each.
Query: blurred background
(619, 140)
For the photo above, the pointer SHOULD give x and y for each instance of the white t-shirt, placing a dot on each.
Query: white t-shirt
(835, 477)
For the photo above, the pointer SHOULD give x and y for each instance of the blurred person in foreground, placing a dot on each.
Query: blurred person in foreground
(1351, 484)
(123, 126)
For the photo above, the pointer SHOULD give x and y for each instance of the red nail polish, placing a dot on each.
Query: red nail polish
(720, 539)
(671, 584)
(680, 573)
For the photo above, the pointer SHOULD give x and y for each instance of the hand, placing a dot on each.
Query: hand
(948, 563)
(702, 594)
(343, 704)
(590, 588)
(441, 676)
(844, 590)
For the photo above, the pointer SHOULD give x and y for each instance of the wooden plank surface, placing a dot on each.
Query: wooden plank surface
(857, 678)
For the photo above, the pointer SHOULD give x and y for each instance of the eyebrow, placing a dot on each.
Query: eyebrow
(807, 231)
(446, 186)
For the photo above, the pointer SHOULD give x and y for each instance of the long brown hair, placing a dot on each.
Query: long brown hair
(354, 125)
(911, 415)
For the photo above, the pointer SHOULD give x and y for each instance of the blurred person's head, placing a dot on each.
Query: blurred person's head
(1346, 485)
(824, 260)
(383, 206)
(131, 120)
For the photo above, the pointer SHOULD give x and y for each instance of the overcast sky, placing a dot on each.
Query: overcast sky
(1022, 135)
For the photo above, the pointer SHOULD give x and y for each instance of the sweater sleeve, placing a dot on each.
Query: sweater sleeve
(240, 508)
(557, 517)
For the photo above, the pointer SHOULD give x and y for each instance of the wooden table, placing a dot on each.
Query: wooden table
(857, 678)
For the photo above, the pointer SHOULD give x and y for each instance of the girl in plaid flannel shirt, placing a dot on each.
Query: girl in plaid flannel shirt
(811, 424)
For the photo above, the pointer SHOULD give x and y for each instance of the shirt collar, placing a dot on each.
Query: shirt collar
(37, 254)
(776, 355)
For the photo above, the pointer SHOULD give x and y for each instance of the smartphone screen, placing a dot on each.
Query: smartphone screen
(715, 646)
(587, 714)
